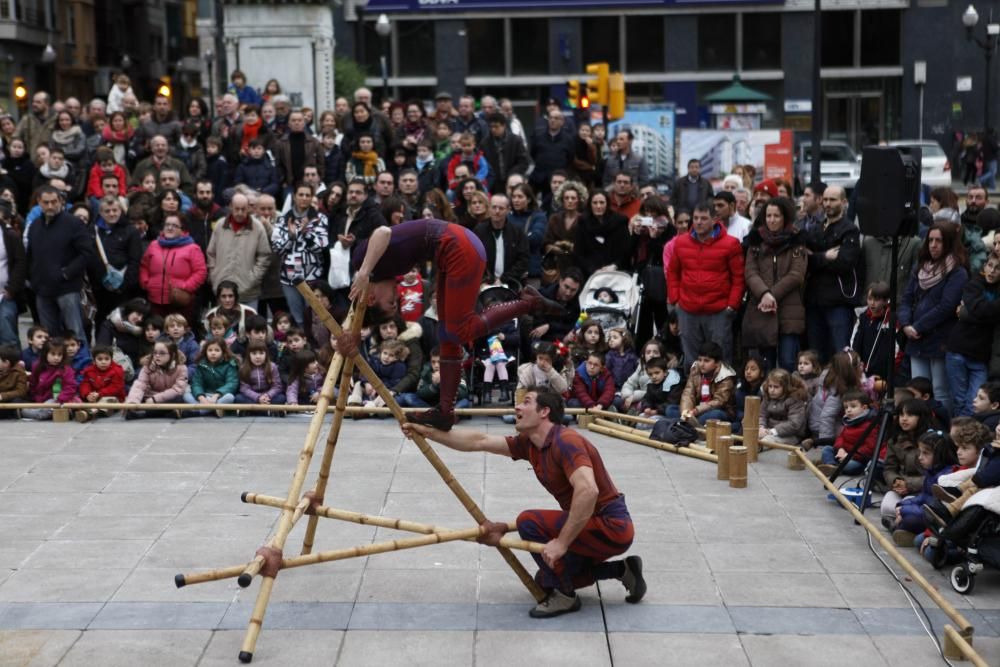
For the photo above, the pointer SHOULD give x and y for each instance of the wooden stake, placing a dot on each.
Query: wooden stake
(725, 442)
(585, 420)
(751, 424)
(958, 646)
(794, 462)
(60, 415)
(435, 461)
(664, 446)
(738, 467)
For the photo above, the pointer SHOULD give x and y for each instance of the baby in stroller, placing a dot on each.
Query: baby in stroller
(965, 514)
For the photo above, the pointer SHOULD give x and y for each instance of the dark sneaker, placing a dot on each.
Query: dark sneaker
(540, 305)
(556, 604)
(433, 418)
(632, 579)
(889, 523)
(942, 494)
(933, 518)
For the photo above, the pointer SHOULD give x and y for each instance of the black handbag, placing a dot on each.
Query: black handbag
(674, 431)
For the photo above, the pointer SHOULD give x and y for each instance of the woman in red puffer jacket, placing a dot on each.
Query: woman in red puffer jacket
(172, 270)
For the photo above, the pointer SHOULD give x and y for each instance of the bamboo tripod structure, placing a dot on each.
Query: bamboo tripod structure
(270, 558)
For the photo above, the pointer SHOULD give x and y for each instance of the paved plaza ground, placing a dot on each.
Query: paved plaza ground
(96, 519)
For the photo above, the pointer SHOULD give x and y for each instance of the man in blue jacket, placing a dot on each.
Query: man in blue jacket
(59, 250)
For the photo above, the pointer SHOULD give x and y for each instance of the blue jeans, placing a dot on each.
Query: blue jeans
(853, 467)
(8, 323)
(786, 355)
(409, 399)
(61, 314)
(964, 379)
(223, 400)
(988, 179)
(935, 370)
(243, 400)
(829, 329)
(674, 412)
(296, 304)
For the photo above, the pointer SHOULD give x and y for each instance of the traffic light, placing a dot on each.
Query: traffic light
(573, 93)
(597, 88)
(20, 93)
(165, 89)
(616, 96)
(584, 102)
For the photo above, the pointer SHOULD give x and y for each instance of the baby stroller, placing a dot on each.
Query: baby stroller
(478, 388)
(612, 298)
(980, 548)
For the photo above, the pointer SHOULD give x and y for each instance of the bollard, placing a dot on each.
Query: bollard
(60, 415)
(725, 443)
(583, 421)
(794, 462)
(751, 424)
(711, 433)
(738, 467)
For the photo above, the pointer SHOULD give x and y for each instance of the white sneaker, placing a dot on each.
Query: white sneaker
(556, 603)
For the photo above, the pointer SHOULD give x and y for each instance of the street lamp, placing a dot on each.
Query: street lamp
(49, 54)
(969, 19)
(384, 28)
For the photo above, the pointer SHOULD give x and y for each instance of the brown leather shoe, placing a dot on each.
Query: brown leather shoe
(433, 418)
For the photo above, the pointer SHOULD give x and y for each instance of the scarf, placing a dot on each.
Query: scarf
(236, 225)
(250, 132)
(112, 137)
(178, 242)
(67, 136)
(775, 240)
(58, 173)
(931, 273)
(423, 163)
(370, 161)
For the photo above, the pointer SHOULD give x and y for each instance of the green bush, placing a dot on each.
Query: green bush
(348, 76)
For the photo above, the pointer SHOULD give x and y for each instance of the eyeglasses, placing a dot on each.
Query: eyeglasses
(171, 225)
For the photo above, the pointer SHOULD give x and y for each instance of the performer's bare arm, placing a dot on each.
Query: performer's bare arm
(461, 439)
(377, 245)
(581, 509)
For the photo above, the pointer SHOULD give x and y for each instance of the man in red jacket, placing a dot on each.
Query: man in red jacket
(705, 282)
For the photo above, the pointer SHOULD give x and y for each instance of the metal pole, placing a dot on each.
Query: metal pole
(817, 94)
(383, 61)
(211, 88)
(986, 88)
(920, 117)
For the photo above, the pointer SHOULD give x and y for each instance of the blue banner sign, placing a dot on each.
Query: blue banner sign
(483, 5)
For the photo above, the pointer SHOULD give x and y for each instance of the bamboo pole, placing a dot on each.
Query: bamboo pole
(646, 434)
(664, 446)
(182, 580)
(956, 617)
(722, 452)
(959, 647)
(751, 424)
(234, 407)
(622, 416)
(429, 453)
(256, 619)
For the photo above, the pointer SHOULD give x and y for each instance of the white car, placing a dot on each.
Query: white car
(840, 165)
(934, 165)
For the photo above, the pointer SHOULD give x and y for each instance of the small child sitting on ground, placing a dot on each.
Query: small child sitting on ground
(783, 408)
(860, 424)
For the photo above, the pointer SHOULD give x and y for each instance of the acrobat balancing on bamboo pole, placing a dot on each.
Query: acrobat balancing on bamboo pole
(592, 524)
(460, 261)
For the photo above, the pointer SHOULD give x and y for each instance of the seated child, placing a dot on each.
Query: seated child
(215, 379)
(389, 366)
(783, 408)
(635, 387)
(281, 323)
(809, 370)
(103, 382)
(495, 366)
(162, 379)
(593, 385)
(295, 342)
(429, 390)
(13, 378)
(178, 330)
(37, 335)
(588, 338)
(257, 330)
(260, 382)
(305, 379)
(52, 380)
(960, 486)
(751, 383)
(621, 360)
(936, 454)
(123, 328)
(663, 388)
(986, 405)
(541, 372)
(152, 330)
(860, 424)
(710, 388)
(901, 470)
(78, 354)
(923, 389)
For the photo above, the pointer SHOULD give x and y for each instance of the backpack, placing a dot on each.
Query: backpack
(674, 431)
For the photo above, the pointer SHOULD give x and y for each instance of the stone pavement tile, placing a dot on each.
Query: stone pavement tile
(760, 558)
(779, 590)
(62, 585)
(174, 462)
(35, 648)
(571, 649)
(992, 617)
(447, 556)
(671, 526)
(275, 648)
(848, 557)
(156, 482)
(203, 503)
(194, 526)
(68, 461)
(47, 615)
(908, 651)
(675, 556)
(288, 615)
(431, 649)
(491, 560)
(236, 482)
(899, 621)
(667, 618)
(319, 584)
(686, 588)
(640, 649)
(86, 480)
(86, 554)
(515, 617)
(412, 460)
(135, 504)
(14, 552)
(798, 621)
(111, 528)
(430, 482)
(815, 651)
(730, 528)
(507, 508)
(829, 530)
(503, 587)
(415, 506)
(413, 616)
(159, 616)
(150, 648)
(881, 590)
(188, 555)
(157, 585)
(417, 586)
(52, 503)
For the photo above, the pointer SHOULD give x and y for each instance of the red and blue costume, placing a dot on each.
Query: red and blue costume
(608, 532)
(460, 261)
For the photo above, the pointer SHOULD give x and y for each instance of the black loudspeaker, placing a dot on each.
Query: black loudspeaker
(889, 191)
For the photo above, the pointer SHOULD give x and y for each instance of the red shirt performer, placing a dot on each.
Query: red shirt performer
(460, 261)
(593, 523)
